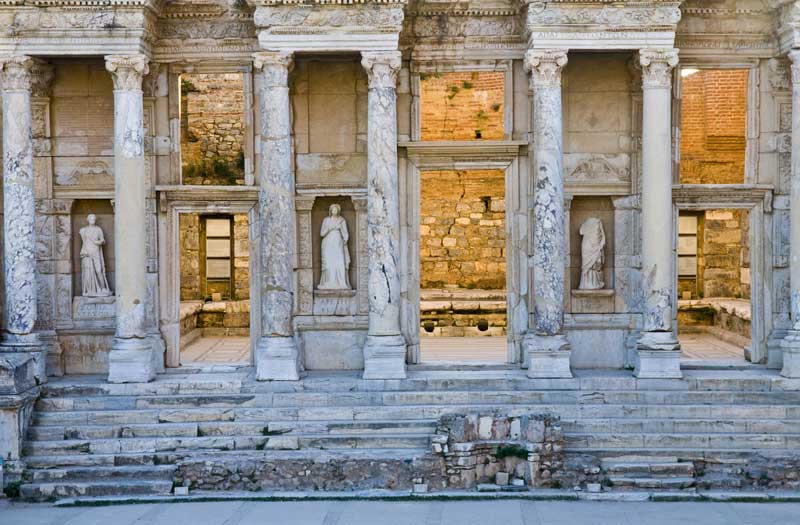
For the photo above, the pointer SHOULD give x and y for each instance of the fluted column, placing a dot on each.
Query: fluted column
(546, 347)
(277, 356)
(385, 349)
(20, 351)
(658, 349)
(131, 356)
(791, 343)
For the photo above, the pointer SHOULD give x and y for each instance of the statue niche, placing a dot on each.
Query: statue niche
(93, 265)
(334, 253)
(592, 257)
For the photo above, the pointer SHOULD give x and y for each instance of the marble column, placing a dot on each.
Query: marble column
(791, 343)
(277, 356)
(658, 351)
(131, 356)
(385, 348)
(22, 359)
(545, 345)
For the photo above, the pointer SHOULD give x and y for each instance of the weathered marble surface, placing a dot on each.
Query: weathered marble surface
(277, 357)
(131, 357)
(659, 352)
(546, 347)
(385, 350)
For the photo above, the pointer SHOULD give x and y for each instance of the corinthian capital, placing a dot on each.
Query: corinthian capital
(276, 66)
(545, 66)
(657, 67)
(127, 71)
(24, 73)
(382, 67)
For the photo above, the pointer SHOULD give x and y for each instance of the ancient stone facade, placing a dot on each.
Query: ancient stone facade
(577, 103)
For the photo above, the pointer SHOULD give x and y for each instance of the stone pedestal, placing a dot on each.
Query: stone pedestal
(131, 356)
(22, 355)
(791, 343)
(277, 356)
(385, 348)
(658, 348)
(545, 346)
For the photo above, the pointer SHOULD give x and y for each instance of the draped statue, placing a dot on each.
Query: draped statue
(93, 265)
(592, 256)
(334, 253)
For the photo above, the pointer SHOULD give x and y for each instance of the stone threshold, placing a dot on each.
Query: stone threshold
(453, 495)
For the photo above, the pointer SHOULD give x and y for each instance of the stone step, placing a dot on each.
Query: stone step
(671, 483)
(649, 469)
(681, 425)
(697, 441)
(94, 473)
(128, 487)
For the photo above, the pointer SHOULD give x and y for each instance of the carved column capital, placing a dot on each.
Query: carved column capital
(545, 66)
(127, 71)
(275, 65)
(657, 67)
(382, 67)
(24, 73)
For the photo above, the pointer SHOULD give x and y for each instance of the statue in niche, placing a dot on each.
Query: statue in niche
(592, 256)
(93, 265)
(335, 257)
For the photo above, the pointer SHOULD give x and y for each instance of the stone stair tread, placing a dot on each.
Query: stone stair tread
(651, 482)
(95, 488)
(96, 473)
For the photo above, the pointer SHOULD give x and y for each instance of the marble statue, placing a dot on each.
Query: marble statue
(93, 265)
(335, 255)
(592, 257)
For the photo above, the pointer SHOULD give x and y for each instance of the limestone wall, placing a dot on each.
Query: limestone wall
(212, 128)
(462, 106)
(713, 118)
(724, 260)
(462, 229)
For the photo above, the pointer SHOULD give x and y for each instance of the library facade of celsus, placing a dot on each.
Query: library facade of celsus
(631, 164)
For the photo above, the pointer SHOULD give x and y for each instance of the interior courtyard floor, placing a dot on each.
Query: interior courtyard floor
(229, 350)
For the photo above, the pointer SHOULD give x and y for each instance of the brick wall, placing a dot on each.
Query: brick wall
(462, 229)
(456, 106)
(713, 121)
(212, 128)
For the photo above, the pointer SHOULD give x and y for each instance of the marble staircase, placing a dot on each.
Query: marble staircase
(91, 438)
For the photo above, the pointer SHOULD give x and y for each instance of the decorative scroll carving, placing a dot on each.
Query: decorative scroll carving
(127, 71)
(382, 68)
(778, 74)
(546, 14)
(657, 67)
(545, 67)
(275, 66)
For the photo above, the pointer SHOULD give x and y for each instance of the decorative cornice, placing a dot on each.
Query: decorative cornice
(657, 67)
(127, 71)
(545, 67)
(259, 3)
(382, 68)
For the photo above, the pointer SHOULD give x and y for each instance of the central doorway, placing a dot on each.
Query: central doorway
(463, 267)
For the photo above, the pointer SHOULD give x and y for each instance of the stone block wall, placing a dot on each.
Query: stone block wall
(724, 262)
(212, 128)
(462, 229)
(462, 106)
(713, 120)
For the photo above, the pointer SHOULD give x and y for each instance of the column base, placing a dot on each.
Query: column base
(547, 356)
(385, 357)
(131, 361)
(277, 359)
(658, 356)
(791, 354)
(23, 363)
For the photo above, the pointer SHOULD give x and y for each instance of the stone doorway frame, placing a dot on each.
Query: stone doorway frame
(511, 158)
(174, 201)
(757, 200)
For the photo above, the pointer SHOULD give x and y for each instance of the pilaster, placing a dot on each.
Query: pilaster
(277, 356)
(131, 357)
(385, 348)
(545, 345)
(658, 351)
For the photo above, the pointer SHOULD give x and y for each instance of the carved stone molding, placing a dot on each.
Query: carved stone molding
(778, 74)
(545, 67)
(640, 16)
(794, 56)
(657, 67)
(275, 65)
(24, 73)
(382, 67)
(127, 71)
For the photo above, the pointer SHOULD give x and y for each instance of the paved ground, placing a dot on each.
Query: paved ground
(512, 512)
(228, 350)
(463, 350)
(699, 345)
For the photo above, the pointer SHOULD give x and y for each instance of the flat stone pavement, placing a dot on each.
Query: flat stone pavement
(482, 512)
